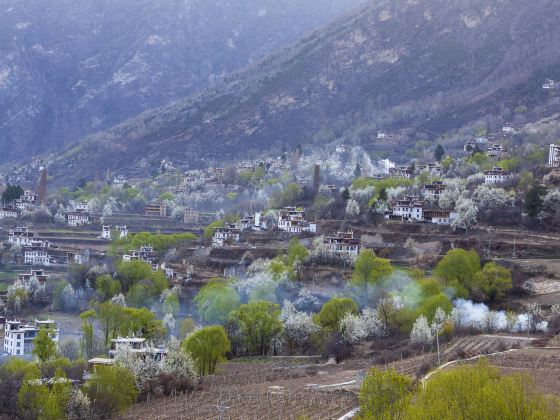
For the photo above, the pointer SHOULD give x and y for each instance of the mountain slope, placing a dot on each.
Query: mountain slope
(429, 65)
(73, 67)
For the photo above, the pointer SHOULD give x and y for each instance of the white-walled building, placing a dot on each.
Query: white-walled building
(292, 220)
(413, 209)
(21, 236)
(554, 156)
(8, 213)
(496, 175)
(78, 218)
(496, 150)
(19, 336)
(228, 233)
(343, 243)
(433, 190)
(410, 208)
(145, 254)
(134, 344)
(107, 232)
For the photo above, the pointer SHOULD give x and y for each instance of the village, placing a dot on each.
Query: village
(354, 262)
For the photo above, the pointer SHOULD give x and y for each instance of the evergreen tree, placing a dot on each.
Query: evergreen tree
(534, 200)
(439, 152)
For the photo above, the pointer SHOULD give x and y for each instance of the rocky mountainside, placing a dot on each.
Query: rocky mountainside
(428, 65)
(69, 68)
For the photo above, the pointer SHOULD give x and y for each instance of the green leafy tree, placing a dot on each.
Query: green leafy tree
(44, 347)
(131, 272)
(333, 311)
(11, 193)
(187, 327)
(112, 389)
(494, 280)
(534, 200)
(87, 342)
(207, 346)
(383, 194)
(385, 395)
(110, 316)
(107, 287)
(357, 171)
(439, 153)
(45, 400)
(259, 323)
(369, 270)
(209, 230)
(458, 269)
(216, 300)
(480, 392)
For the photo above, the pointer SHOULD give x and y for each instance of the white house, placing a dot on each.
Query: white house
(260, 222)
(20, 236)
(433, 190)
(36, 256)
(549, 84)
(404, 172)
(292, 220)
(496, 150)
(37, 274)
(134, 344)
(27, 201)
(107, 232)
(509, 128)
(8, 213)
(229, 233)
(554, 156)
(146, 254)
(411, 208)
(18, 339)
(78, 218)
(440, 217)
(343, 243)
(496, 175)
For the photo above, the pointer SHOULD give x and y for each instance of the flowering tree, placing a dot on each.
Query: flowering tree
(169, 324)
(352, 328)
(180, 364)
(352, 208)
(421, 333)
(298, 326)
(467, 212)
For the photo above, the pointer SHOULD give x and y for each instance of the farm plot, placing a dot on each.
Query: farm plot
(276, 390)
(541, 364)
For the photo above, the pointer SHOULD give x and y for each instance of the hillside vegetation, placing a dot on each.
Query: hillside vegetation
(427, 66)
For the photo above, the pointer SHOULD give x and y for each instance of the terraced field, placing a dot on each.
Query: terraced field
(275, 390)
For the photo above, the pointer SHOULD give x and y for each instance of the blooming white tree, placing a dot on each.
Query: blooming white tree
(307, 302)
(93, 205)
(487, 197)
(352, 208)
(395, 193)
(145, 371)
(453, 190)
(551, 202)
(352, 328)
(362, 195)
(179, 363)
(169, 324)
(79, 405)
(421, 333)
(467, 214)
(118, 300)
(372, 323)
(298, 326)
(439, 320)
(68, 298)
